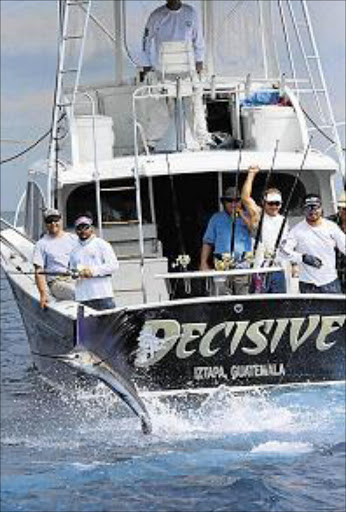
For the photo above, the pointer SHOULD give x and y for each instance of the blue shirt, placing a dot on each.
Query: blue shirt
(219, 231)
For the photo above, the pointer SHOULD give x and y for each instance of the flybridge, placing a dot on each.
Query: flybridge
(216, 161)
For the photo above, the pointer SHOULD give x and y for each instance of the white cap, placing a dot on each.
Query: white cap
(273, 196)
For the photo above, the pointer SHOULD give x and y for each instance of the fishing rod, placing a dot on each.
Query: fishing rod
(75, 274)
(260, 224)
(234, 214)
(176, 211)
(288, 202)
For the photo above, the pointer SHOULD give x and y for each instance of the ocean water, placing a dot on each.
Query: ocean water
(278, 450)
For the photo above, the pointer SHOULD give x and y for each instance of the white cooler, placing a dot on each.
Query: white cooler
(263, 125)
(104, 136)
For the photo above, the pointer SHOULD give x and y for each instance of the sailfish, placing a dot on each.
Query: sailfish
(103, 347)
(87, 362)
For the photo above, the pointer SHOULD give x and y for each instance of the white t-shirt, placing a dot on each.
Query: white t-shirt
(167, 25)
(319, 241)
(98, 255)
(52, 253)
(270, 230)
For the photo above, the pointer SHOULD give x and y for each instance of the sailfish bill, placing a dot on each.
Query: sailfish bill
(87, 362)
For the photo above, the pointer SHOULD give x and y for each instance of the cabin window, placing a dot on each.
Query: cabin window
(118, 200)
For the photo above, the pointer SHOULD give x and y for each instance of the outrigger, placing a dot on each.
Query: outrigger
(115, 151)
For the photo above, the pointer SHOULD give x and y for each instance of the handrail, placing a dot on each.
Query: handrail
(19, 206)
(9, 225)
(97, 171)
(199, 274)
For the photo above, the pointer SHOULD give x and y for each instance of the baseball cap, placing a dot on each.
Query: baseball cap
(51, 212)
(83, 219)
(273, 197)
(230, 193)
(312, 200)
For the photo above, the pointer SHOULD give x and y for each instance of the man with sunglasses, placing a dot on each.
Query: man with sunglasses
(51, 254)
(95, 261)
(269, 229)
(311, 244)
(217, 240)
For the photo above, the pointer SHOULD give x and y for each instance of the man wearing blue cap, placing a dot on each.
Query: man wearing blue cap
(311, 244)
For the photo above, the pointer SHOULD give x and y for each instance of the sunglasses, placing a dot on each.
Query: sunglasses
(83, 227)
(273, 203)
(53, 220)
(232, 200)
(312, 207)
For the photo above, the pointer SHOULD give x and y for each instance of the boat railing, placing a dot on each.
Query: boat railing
(213, 279)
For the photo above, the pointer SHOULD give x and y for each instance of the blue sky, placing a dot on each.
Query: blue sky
(28, 65)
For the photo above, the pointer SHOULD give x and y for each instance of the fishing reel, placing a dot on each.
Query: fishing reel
(246, 261)
(182, 262)
(225, 261)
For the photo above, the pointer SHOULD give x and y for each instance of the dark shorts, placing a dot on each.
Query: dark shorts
(99, 304)
(333, 287)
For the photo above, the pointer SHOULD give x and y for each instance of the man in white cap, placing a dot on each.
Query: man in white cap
(174, 21)
(271, 225)
(95, 261)
(50, 258)
(312, 244)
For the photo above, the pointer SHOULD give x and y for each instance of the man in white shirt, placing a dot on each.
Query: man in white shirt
(269, 229)
(95, 261)
(311, 244)
(51, 255)
(176, 21)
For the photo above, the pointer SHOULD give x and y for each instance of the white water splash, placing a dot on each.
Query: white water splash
(283, 447)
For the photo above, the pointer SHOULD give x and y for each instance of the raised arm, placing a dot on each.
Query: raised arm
(252, 208)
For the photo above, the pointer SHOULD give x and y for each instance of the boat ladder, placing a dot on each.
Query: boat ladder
(74, 18)
(298, 29)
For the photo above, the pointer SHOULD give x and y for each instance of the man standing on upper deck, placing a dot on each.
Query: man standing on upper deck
(174, 21)
(270, 228)
(312, 243)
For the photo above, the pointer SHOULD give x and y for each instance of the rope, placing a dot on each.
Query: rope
(318, 128)
(29, 148)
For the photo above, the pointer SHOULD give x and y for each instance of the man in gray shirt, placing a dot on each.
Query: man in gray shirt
(51, 254)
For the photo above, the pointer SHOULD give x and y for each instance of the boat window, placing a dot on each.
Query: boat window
(118, 199)
(184, 206)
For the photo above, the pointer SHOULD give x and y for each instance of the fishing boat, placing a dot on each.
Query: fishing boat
(124, 148)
